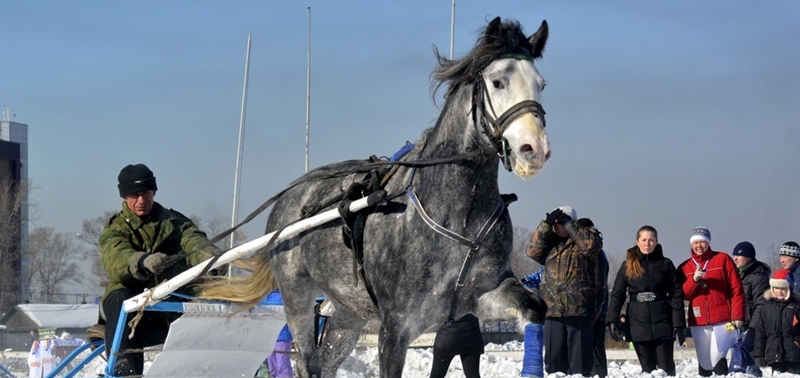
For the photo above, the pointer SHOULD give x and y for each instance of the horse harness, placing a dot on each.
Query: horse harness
(380, 171)
(495, 127)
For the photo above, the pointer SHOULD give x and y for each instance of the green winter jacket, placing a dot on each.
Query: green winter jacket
(568, 282)
(126, 239)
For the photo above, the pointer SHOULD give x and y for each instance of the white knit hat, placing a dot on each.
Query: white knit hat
(700, 233)
(790, 248)
(569, 211)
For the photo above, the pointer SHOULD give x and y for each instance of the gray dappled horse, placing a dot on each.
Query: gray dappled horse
(415, 253)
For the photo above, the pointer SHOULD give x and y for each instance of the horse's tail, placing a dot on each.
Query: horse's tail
(246, 290)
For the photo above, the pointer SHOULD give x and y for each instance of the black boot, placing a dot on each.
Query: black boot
(721, 368)
(703, 372)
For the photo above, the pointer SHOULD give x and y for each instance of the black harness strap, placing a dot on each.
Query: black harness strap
(474, 245)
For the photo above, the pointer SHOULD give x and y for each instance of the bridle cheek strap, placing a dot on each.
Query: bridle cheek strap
(495, 127)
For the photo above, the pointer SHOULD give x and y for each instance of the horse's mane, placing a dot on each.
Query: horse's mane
(504, 37)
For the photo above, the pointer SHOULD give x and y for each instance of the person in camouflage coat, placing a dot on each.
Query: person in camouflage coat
(138, 246)
(568, 252)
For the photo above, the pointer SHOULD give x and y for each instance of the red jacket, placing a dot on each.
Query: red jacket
(722, 299)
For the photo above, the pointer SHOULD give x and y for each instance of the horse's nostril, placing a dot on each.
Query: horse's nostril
(547, 156)
(526, 148)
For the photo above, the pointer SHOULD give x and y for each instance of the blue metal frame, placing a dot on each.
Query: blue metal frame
(99, 346)
(123, 319)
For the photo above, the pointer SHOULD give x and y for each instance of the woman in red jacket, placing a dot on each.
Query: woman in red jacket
(712, 286)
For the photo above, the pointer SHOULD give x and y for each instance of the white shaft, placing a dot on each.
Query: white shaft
(240, 252)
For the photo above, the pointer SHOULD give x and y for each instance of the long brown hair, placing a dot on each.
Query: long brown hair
(633, 267)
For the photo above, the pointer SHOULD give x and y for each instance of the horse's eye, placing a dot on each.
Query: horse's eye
(497, 84)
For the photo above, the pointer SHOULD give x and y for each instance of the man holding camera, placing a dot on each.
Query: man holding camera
(568, 252)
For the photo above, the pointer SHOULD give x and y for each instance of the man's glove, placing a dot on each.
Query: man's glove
(157, 262)
(761, 362)
(552, 217)
(738, 324)
(698, 275)
(614, 331)
(680, 334)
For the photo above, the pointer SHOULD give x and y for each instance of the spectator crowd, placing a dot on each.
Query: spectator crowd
(721, 300)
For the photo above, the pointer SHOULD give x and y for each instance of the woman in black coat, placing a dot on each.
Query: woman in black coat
(460, 337)
(655, 313)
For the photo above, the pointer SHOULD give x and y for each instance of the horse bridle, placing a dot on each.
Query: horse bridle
(495, 127)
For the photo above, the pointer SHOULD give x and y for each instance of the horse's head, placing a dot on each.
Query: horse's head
(508, 91)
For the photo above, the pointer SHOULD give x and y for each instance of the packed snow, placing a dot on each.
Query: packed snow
(502, 361)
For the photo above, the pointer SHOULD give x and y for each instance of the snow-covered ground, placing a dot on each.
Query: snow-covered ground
(499, 361)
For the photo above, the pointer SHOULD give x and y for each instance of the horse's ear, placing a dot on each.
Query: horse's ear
(538, 40)
(494, 27)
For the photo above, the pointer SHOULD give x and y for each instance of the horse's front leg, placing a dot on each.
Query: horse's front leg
(511, 301)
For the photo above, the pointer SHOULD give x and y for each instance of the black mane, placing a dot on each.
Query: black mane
(498, 38)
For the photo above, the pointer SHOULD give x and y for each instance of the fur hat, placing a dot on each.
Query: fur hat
(135, 178)
(700, 233)
(745, 249)
(790, 248)
(782, 278)
(569, 211)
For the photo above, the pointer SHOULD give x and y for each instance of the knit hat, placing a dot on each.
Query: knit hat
(745, 249)
(135, 178)
(782, 278)
(569, 211)
(700, 233)
(790, 248)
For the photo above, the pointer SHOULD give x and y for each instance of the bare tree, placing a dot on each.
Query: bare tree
(12, 199)
(90, 234)
(521, 264)
(53, 262)
(217, 225)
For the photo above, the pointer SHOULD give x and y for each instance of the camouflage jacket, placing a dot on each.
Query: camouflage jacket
(127, 238)
(568, 285)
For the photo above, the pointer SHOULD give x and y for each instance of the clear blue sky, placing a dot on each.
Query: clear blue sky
(669, 113)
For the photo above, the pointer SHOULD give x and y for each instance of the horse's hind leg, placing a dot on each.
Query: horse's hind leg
(298, 304)
(341, 337)
(511, 301)
(393, 342)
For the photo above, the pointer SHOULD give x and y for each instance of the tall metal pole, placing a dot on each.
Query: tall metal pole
(235, 214)
(308, 87)
(452, 27)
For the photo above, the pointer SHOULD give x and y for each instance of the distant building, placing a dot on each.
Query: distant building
(14, 171)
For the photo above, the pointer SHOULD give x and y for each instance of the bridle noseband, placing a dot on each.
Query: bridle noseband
(495, 127)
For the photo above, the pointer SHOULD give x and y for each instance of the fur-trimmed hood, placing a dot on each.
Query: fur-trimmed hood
(768, 296)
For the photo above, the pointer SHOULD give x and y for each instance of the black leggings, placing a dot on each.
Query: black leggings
(470, 362)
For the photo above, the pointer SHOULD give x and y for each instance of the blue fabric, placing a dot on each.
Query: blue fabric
(402, 152)
(532, 280)
(276, 299)
(285, 334)
(741, 359)
(532, 358)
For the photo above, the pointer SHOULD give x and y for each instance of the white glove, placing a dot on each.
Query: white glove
(738, 324)
(698, 275)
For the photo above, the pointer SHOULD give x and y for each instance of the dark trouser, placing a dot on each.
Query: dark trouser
(655, 354)
(152, 328)
(721, 368)
(568, 345)
(599, 346)
(470, 362)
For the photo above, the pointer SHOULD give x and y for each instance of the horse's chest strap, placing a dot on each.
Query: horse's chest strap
(474, 245)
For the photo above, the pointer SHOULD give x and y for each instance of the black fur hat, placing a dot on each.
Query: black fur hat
(135, 178)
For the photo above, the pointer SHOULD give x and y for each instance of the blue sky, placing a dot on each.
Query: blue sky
(673, 114)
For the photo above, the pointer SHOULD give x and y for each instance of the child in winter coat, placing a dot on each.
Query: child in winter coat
(777, 341)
